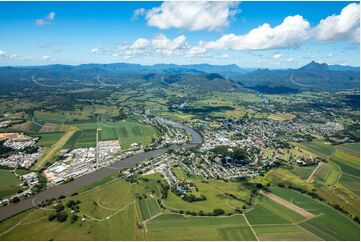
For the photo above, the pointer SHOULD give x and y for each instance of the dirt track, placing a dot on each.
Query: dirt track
(288, 205)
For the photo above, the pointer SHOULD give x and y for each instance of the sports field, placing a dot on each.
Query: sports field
(8, 183)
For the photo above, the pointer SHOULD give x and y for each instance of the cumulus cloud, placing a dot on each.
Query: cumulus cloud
(162, 42)
(345, 26)
(46, 20)
(139, 44)
(192, 16)
(292, 32)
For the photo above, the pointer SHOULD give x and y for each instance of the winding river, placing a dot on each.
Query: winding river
(73, 186)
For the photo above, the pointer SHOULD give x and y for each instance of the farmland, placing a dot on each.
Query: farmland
(178, 227)
(329, 225)
(8, 182)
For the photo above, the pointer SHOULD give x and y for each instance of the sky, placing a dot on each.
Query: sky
(249, 34)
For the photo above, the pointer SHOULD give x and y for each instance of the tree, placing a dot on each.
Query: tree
(218, 211)
(61, 217)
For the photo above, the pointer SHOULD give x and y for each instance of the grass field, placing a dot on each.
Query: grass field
(215, 192)
(178, 227)
(330, 224)
(114, 219)
(8, 183)
(285, 177)
(303, 172)
(48, 139)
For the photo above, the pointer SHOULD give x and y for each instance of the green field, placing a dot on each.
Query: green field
(319, 148)
(113, 218)
(148, 208)
(48, 139)
(327, 174)
(351, 182)
(330, 224)
(303, 172)
(284, 232)
(127, 132)
(178, 227)
(348, 162)
(8, 183)
(267, 211)
(215, 192)
(285, 177)
(42, 117)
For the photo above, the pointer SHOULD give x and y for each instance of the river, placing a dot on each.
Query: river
(78, 183)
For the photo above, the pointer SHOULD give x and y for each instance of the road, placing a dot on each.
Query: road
(71, 187)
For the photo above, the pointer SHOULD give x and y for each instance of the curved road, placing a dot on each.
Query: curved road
(71, 187)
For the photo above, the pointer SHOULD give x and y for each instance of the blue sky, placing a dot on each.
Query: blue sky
(291, 33)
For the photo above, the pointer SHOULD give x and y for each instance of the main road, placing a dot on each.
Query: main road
(73, 186)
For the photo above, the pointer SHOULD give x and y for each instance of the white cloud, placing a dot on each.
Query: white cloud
(276, 55)
(139, 44)
(45, 58)
(195, 50)
(46, 20)
(3, 54)
(138, 12)
(162, 42)
(345, 26)
(290, 60)
(192, 16)
(292, 32)
(94, 51)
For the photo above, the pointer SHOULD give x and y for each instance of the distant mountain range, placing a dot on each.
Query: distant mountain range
(313, 76)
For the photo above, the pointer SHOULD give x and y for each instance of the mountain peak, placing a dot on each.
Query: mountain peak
(315, 66)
